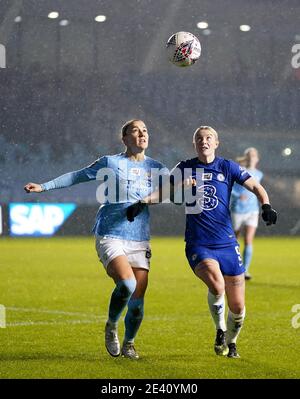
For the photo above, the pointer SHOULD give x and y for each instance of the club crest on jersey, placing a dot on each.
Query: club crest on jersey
(220, 177)
(135, 171)
(206, 176)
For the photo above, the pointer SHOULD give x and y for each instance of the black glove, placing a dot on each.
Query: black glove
(269, 214)
(134, 210)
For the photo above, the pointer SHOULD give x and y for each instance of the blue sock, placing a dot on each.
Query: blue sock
(134, 317)
(247, 255)
(120, 297)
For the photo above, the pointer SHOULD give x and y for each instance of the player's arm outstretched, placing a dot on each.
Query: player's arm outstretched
(269, 214)
(68, 179)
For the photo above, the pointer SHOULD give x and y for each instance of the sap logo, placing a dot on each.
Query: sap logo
(296, 318)
(37, 219)
(2, 56)
(296, 58)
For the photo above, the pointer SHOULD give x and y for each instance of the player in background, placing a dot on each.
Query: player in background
(211, 246)
(122, 247)
(245, 207)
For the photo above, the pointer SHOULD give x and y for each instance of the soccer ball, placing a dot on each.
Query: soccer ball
(183, 48)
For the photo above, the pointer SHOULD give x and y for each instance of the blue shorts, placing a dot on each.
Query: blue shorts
(229, 258)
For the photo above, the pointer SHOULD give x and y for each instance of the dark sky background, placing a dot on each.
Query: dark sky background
(67, 89)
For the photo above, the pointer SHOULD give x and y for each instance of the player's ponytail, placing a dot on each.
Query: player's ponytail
(241, 160)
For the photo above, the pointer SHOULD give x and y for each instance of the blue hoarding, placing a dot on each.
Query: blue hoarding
(42, 219)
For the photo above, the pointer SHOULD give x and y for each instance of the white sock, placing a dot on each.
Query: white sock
(112, 324)
(216, 305)
(234, 325)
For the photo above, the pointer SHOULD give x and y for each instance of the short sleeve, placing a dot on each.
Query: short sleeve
(238, 173)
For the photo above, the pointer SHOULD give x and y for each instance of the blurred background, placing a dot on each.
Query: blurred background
(75, 71)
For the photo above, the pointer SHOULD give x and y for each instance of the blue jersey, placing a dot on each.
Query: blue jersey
(131, 181)
(212, 226)
(242, 200)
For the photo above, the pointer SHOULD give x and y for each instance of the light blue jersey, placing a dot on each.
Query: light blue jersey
(242, 200)
(132, 181)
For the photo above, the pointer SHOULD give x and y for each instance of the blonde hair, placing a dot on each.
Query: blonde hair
(247, 150)
(243, 160)
(209, 128)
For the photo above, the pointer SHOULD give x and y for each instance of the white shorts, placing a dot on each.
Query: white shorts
(240, 220)
(138, 253)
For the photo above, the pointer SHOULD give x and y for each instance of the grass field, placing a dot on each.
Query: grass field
(56, 296)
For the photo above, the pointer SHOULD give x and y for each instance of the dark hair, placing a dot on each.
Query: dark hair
(126, 126)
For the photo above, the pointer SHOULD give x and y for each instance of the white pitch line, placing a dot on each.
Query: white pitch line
(49, 323)
(90, 318)
(52, 311)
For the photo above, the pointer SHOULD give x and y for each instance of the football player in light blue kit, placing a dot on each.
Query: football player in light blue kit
(211, 246)
(245, 207)
(122, 247)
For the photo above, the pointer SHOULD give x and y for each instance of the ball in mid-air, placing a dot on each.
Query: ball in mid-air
(183, 48)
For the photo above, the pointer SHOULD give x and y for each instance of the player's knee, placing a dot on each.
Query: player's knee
(237, 307)
(217, 288)
(126, 287)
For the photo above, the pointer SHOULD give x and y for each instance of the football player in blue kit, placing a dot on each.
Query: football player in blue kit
(244, 207)
(211, 246)
(212, 249)
(122, 247)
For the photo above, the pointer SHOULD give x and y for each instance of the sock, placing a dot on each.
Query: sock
(247, 255)
(119, 299)
(234, 325)
(216, 305)
(133, 318)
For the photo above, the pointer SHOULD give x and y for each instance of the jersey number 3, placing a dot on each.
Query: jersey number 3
(208, 199)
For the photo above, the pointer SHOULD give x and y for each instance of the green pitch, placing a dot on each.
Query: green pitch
(56, 296)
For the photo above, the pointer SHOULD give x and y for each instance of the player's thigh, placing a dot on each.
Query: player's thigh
(208, 270)
(141, 276)
(235, 292)
(249, 234)
(120, 269)
(237, 233)
(112, 255)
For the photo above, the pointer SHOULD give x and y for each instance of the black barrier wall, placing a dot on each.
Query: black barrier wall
(166, 220)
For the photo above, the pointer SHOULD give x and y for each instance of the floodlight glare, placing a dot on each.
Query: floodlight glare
(245, 28)
(286, 151)
(100, 18)
(53, 15)
(64, 22)
(202, 25)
